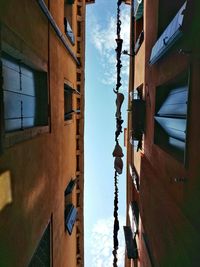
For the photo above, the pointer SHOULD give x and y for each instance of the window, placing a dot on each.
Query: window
(68, 99)
(77, 144)
(171, 117)
(25, 97)
(70, 217)
(77, 163)
(70, 212)
(134, 175)
(131, 245)
(139, 24)
(70, 187)
(42, 255)
(169, 36)
(78, 47)
(78, 88)
(78, 10)
(78, 127)
(78, 77)
(68, 31)
(78, 28)
(78, 245)
(67, 102)
(134, 216)
(78, 199)
(138, 116)
(78, 182)
(69, 2)
(166, 13)
(68, 20)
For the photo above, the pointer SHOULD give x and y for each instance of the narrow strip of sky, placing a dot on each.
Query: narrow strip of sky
(100, 129)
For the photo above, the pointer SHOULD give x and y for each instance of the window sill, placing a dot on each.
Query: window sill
(27, 134)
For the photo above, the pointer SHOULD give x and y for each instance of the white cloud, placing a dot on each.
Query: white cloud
(103, 39)
(101, 243)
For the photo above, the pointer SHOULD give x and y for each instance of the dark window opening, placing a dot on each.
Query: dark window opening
(78, 127)
(78, 10)
(42, 255)
(167, 11)
(138, 118)
(78, 260)
(68, 102)
(170, 35)
(69, 2)
(78, 245)
(138, 28)
(134, 216)
(78, 199)
(139, 25)
(171, 116)
(131, 245)
(78, 77)
(70, 217)
(78, 46)
(78, 182)
(68, 12)
(78, 28)
(79, 59)
(78, 103)
(77, 163)
(25, 95)
(134, 176)
(70, 187)
(78, 88)
(77, 144)
(68, 31)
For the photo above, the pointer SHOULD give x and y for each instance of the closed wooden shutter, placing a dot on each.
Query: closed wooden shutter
(172, 117)
(168, 37)
(131, 245)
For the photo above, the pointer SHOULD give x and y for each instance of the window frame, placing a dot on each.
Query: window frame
(178, 79)
(68, 89)
(9, 139)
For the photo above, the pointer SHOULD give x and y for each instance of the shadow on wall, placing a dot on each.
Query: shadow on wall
(5, 189)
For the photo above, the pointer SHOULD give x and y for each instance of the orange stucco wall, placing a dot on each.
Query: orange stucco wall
(42, 166)
(168, 209)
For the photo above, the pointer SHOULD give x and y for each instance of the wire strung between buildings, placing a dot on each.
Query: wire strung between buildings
(117, 153)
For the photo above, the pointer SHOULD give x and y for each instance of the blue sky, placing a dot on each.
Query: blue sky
(100, 131)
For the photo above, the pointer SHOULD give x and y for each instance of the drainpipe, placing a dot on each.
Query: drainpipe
(58, 32)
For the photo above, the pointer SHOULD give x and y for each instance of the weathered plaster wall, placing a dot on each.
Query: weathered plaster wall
(41, 167)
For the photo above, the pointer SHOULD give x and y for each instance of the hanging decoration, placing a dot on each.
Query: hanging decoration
(117, 153)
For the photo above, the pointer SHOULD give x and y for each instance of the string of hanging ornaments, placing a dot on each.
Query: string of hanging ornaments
(117, 153)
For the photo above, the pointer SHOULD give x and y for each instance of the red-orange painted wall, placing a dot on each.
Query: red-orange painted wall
(41, 167)
(169, 210)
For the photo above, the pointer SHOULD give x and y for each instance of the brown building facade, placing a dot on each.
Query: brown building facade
(162, 135)
(42, 48)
